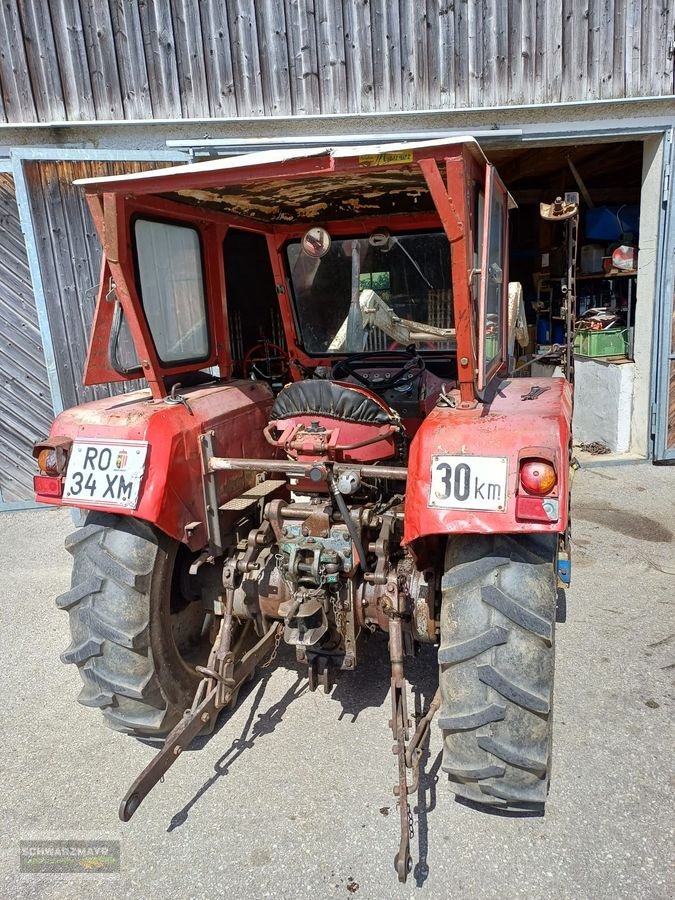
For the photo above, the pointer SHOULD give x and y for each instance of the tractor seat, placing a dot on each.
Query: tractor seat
(335, 399)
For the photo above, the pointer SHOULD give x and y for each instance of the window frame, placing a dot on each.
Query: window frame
(343, 235)
(486, 369)
(202, 360)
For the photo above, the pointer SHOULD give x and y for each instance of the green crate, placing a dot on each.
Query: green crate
(613, 342)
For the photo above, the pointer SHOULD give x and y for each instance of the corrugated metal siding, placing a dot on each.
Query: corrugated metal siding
(131, 59)
(25, 405)
(69, 254)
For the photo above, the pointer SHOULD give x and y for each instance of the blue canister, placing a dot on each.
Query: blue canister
(543, 333)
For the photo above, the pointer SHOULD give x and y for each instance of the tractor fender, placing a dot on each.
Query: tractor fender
(171, 494)
(505, 427)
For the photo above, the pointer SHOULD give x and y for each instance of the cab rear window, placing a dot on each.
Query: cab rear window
(171, 286)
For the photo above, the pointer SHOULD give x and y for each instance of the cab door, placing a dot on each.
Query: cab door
(494, 279)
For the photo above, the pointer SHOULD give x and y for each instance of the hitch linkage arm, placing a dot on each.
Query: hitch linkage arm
(219, 686)
(409, 754)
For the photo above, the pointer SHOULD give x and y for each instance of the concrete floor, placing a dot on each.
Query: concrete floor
(292, 796)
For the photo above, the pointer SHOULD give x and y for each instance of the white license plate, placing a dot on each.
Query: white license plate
(468, 482)
(105, 472)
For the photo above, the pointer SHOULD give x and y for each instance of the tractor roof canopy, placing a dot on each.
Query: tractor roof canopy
(443, 184)
(285, 187)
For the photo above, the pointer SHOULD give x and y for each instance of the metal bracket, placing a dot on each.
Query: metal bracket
(210, 496)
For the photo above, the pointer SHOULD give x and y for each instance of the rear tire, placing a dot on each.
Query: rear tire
(496, 667)
(127, 619)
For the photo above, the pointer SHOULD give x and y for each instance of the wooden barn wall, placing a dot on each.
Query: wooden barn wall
(25, 403)
(69, 255)
(69, 60)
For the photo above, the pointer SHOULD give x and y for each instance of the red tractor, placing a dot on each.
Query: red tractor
(328, 443)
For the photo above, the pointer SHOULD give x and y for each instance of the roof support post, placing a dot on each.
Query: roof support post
(452, 202)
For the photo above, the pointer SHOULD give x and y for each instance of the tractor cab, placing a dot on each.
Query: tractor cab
(328, 445)
(281, 266)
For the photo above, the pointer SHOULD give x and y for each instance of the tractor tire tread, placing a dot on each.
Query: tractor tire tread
(496, 667)
(454, 653)
(114, 558)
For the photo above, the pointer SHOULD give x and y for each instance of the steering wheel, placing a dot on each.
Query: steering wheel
(413, 366)
(267, 361)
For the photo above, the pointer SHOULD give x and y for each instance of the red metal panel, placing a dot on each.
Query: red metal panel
(501, 428)
(171, 492)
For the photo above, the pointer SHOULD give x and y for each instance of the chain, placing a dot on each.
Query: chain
(411, 828)
(275, 649)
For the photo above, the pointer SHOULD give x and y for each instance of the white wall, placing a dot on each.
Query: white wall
(603, 403)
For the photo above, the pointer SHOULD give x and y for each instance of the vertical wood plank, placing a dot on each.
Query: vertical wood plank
(17, 91)
(582, 49)
(539, 88)
(646, 38)
(486, 31)
(593, 57)
(42, 66)
(218, 58)
(245, 57)
(619, 63)
(331, 52)
(415, 83)
(528, 49)
(386, 46)
(569, 74)
(501, 62)
(359, 56)
(386, 49)
(515, 56)
(132, 66)
(475, 54)
(72, 60)
(606, 40)
(97, 35)
(551, 85)
(448, 61)
(274, 67)
(432, 46)
(160, 57)
(461, 53)
(189, 53)
(633, 39)
(303, 57)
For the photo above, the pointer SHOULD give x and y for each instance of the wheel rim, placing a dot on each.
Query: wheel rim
(190, 621)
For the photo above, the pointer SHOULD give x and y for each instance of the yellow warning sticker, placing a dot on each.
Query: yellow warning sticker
(386, 159)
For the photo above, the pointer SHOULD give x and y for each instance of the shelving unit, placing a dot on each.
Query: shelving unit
(629, 276)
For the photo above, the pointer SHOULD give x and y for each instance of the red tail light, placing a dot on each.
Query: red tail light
(48, 485)
(537, 476)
